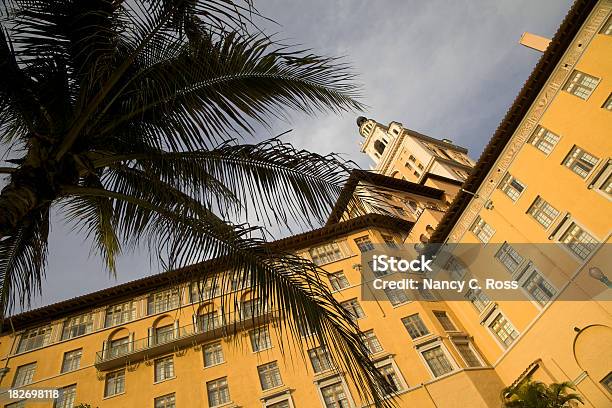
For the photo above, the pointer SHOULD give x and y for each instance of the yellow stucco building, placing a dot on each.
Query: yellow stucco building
(545, 177)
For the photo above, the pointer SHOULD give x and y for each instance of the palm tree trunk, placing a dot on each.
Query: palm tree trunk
(17, 199)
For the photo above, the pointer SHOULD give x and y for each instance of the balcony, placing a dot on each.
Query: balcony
(186, 336)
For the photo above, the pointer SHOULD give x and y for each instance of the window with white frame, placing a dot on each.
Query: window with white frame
(580, 84)
(115, 383)
(34, 338)
(392, 384)
(338, 280)
(66, 397)
(580, 161)
(119, 314)
(77, 326)
(466, 352)
(396, 296)
(24, 375)
(389, 241)
(164, 368)
(509, 257)
(252, 308)
(335, 395)
(415, 326)
(607, 27)
(165, 401)
(536, 285)
(241, 281)
(444, 320)
(354, 308)
(162, 301)
(207, 321)
(608, 103)
(578, 241)
(119, 347)
(478, 298)
(541, 211)
(371, 342)
(280, 404)
(544, 140)
(364, 244)
(213, 354)
(437, 361)
(511, 186)
(503, 329)
(320, 359)
(326, 253)
(482, 230)
(164, 334)
(218, 392)
(269, 376)
(607, 382)
(204, 290)
(72, 360)
(260, 339)
(603, 181)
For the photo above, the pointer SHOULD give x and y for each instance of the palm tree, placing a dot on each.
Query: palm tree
(535, 394)
(129, 118)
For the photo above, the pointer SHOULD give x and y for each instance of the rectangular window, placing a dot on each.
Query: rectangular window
(320, 359)
(77, 326)
(503, 330)
(581, 84)
(478, 298)
(437, 361)
(119, 314)
(607, 27)
(580, 161)
(544, 140)
(24, 375)
(578, 241)
(162, 301)
(364, 244)
(269, 376)
(207, 321)
(396, 296)
(213, 354)
(482, 230)
(164, 368)
(603, 180)
(72, 360)
(280, 404)
(371, 342)
(509, 257)
(415, 326)
(392, 383)
(252, 308)
(608, 103)
(543, 212)
(389, 241)
(536, 285)
(511, 186)
(118, 347)
(165, 401)
(66, 398)
(325, 254)
(260, 339)
(18, 404)
(607, 380)
(468, 355)
(218, 392)
(334, 396)
(115, 383)
(34, 338)
(338, 280)
(444, 320)
(354, 308)
(204, 290)
(164, 334)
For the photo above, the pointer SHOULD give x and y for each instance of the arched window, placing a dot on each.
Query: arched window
(379, 147)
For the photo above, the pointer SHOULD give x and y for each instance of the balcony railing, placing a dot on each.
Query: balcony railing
(150, 347)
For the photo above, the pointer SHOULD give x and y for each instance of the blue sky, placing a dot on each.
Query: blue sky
(446, 69)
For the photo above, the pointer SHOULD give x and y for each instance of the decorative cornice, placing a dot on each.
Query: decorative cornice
(545, 81)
